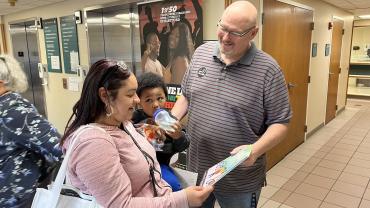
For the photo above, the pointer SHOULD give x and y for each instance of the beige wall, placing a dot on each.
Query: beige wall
(60, 101)
(319, 69)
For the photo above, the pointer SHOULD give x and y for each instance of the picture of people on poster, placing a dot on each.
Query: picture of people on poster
(169, 33)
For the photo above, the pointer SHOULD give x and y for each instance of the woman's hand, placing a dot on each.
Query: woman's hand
(197, 195)
(177, 131)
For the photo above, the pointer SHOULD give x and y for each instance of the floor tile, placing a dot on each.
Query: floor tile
(365, 204)
(313, 161)
(312, 191)
(261, 201)
(350, 189)
(285, 206)
(295, 165)
(282, 171)
(320, 154)
(298, 157)
(367, 194)
(275, 180)
(326, 172)
(326, 148)
(330, 170)
(363, 150)
(344, 146)
(328, 205)
(299, 176)
(332, 165)
(319, 181)
(354, 179)
(362, 156)
(357, 170)
(281, 195)
(268, 191)
(301, 201)
(271, 204)
(342, 199)
(307, 168)
(337, 158)
(290, 185)
(351, 142)
(342, 152)
(359, 162)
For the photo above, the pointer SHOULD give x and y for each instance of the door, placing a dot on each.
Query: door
(25, 51)
(114, 34)
(287, 38)
(334, 69)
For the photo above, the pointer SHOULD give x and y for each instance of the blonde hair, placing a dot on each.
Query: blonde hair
(12, 74)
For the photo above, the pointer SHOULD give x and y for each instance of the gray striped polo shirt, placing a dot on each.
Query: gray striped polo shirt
(232, 105)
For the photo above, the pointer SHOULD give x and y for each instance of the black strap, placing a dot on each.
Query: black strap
(151, 165)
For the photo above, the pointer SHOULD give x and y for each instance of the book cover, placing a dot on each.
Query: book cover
(218, 171)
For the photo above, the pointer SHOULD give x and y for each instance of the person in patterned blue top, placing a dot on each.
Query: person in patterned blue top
(28, 142)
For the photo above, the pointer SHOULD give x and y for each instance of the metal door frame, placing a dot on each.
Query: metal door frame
(23, 21)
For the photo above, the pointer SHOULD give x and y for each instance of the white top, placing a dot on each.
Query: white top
(154, 66)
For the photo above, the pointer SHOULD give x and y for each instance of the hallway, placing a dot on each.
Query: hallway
(330, 170)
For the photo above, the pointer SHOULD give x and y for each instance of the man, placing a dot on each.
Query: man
(235, 95)
(149, 61)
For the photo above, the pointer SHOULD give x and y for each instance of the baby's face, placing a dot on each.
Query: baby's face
(152, 99)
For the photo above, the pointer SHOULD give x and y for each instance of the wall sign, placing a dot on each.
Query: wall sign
(52, 45)
(69, 37)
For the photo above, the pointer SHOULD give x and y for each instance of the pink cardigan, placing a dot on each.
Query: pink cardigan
(113, 170)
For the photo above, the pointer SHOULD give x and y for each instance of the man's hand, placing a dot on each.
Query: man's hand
(252, 157)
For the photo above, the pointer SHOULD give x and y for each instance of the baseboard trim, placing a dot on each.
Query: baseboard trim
(362, 97)
(341, 110)
(314, 130)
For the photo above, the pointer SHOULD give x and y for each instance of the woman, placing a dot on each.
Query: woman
(181, 49)
(117, 167)
(28, 142)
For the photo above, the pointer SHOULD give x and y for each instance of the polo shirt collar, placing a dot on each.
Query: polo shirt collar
(246, 59)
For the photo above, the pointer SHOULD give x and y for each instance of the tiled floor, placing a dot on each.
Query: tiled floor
(330, 170)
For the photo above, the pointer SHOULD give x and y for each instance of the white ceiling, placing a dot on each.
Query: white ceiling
(357, 7)
(21, 5)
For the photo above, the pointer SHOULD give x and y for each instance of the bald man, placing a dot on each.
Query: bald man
(235, 95)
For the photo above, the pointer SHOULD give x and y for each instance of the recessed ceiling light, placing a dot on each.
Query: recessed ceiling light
(364, 16)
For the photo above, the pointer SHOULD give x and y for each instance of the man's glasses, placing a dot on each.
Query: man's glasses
(239, 34)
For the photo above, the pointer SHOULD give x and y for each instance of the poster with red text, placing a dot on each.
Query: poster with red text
(169, 32)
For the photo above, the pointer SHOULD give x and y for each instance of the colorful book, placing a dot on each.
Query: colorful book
(218, 171)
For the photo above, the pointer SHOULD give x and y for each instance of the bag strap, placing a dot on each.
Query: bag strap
(59, 181)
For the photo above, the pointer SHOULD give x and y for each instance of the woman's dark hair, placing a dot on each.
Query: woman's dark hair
(185, 45)
(103, 73)
(150, 80)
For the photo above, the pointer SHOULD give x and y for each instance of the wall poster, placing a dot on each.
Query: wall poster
(52, 45)
(69, 37)
(169, 33)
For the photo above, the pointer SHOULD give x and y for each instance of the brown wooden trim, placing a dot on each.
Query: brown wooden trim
(3, 38)
(228, 2)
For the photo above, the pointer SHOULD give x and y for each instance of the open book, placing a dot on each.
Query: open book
(218, 171)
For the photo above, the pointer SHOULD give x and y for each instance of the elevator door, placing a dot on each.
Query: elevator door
(25, 50)
(113, 33)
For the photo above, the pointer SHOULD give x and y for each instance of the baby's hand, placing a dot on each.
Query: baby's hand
(176, 133)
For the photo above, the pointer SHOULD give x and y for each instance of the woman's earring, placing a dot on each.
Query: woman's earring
(106, 111)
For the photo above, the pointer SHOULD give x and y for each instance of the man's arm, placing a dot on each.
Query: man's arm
(180, 108)
(273, 136)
